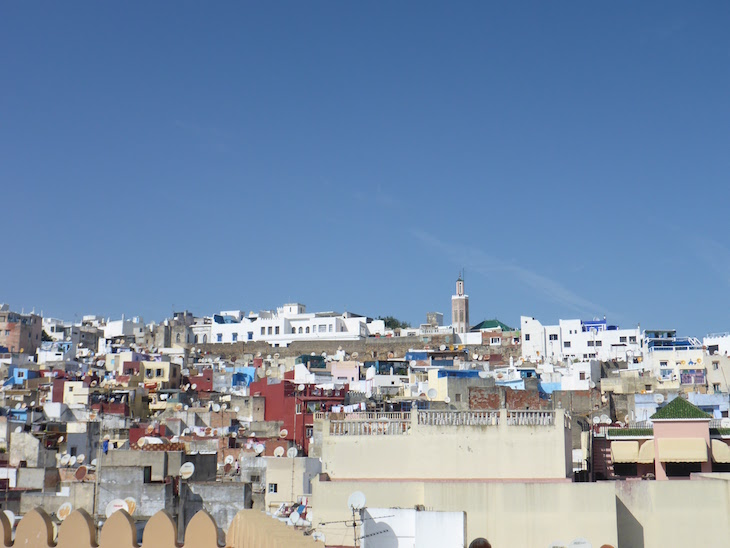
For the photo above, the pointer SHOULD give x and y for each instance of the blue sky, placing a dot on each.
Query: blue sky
(573, 157)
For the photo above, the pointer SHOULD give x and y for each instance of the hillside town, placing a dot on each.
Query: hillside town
(348, 430)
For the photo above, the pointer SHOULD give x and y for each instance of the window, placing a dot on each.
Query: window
(196, 339)
(177, 338)
(234, 337)
(582, 375)
(293, 330)
(276, 330)
(7, 332)
(527, 336)
(323, 329)
(457, 397)
(299, 409)
(554, 337)
(716, 387)
(300, 330)
(269, 330)
(622, 339)
(250, 335)
(205, 339)
(495, 340)
(273, 487)
(307, 329)
(255, 478)
(715, 365)
(590, 343)
(219, 337)
(599, 343)
(632, 339)
(566, 344)
(329, 328)
(263, 331)
(663, 364)
(159, 372)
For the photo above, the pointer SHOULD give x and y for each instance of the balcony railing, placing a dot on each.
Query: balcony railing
(530, 418)
(356, 416)
(458, 418)
(369, 427)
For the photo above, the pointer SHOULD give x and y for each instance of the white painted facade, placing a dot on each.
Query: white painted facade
(287, 324)
(721, 340)
(577, 340)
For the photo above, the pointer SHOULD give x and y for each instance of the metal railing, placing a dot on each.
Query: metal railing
(458, 418)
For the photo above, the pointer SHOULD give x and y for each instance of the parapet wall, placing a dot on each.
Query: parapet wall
(249, 529)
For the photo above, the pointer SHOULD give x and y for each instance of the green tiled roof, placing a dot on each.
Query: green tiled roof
(679, 408)
(488, 325)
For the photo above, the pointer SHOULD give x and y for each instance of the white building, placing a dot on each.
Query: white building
(671, 358)
(573, 340)
(717, 343)
(287, 324)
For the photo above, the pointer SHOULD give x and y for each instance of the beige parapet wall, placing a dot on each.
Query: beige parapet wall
(248, 529)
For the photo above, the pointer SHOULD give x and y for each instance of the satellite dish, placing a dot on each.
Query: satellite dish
(605, 419)
(447, 399)
(65, 460)
(81, 458)
(432, 393)
(114, 506)
(131, 505)
(187, 470)
(186, 431)
(216, 407)
(283, 432)
(194, 386)
(596, 420)
(64, 510)
(442, 347)
(483, 374)
(580, 543)
(81, 472)
(269, 372)
(32, 404)
(19, 429)
(229, 459)
(93, 463)
(17, 406)
(725, 423)
(356, 501)
(279, 451)
(301, 387)
(141, 442)
(294, 517)
(185, 407)
(236, 409)
(259, 448)
(11, 516)
(178, 406)
(260, 372)
(354, 355)
(318, 536)
(60, 439)
(72, 461)
(292, 452)
(276, 356)
(658, 398)
(224, 407)
(234, 434)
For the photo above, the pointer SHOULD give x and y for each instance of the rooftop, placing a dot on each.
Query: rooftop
(679, 408)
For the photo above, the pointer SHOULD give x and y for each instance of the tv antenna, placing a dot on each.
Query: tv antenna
(356, 502)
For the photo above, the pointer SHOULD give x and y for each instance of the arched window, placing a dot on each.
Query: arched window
(205, 339)
(300, 330)
(293, 330)
(177, 338)
(196, 339)
(307, 329)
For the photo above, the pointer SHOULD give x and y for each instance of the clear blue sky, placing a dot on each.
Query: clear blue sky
(573, 157)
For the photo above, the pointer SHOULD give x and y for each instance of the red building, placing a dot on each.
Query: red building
(285, 402)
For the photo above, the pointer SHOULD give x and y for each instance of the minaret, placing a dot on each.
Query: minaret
(460, 308)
